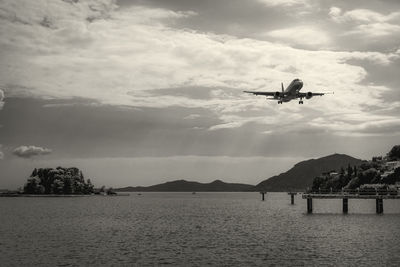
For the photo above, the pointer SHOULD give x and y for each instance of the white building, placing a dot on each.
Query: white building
(392, 165)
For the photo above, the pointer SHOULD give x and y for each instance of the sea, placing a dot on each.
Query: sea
(201, 229)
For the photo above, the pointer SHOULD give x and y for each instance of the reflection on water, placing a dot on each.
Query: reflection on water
(185, 229)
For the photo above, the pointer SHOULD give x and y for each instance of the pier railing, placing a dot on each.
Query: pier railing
(360, 191)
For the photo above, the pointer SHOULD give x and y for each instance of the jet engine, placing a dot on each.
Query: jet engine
(277, 94)
(309, 95)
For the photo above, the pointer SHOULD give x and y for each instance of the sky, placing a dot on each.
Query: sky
(139, 92)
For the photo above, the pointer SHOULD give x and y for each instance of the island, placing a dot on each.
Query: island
(59, 182)
(65, 181)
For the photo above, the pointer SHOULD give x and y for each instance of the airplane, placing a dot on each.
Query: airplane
(291, 92)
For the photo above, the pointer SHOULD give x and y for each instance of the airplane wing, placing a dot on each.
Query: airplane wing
(309, 94)
(260, 93)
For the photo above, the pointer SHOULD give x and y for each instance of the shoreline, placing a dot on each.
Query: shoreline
(54, 195)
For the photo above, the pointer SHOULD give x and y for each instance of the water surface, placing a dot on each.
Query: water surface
(185, 229)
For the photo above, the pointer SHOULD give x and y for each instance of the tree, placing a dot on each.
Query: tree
(57, 186)
(89, 188)
(393, 177)
(394, 153)
(58, 181)
(365, 165)
(34, 173)
(68, 186)
(318, 183)
(368, 176)
(110, 191)
(33, 186)
(334, 182)
(81, 177)
(354, 183)
(349, 171)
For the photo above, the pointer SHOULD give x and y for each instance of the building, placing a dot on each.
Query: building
(392, 165)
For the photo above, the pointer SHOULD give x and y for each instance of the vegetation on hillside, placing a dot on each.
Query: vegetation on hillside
(301, 176)
(394, 153)
(375, 171)
(58, 181)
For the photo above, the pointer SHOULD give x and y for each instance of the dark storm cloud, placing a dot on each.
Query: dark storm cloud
(30, 151)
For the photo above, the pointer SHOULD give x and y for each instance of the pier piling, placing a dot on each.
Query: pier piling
(345, 205)
(379, 205)
(309, 205)
(292, 194)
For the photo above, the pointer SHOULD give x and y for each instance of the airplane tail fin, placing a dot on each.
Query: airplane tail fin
(282, 87)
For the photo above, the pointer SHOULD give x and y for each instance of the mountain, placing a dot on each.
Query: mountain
(188, 186)
(297, 178)
(302, 174)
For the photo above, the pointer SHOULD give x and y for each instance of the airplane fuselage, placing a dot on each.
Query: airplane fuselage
(291, 92)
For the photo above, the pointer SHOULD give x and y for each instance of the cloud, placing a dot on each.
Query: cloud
(361, 16)
(375, 30)
(302, 35)
(286, 3)
(335, 13)
(368, 22)
(30, 151)
(1, 99)
(119, 56)
(192, 117)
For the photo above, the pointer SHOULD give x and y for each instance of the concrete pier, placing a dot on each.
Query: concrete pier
(345, 196)
(292, 194)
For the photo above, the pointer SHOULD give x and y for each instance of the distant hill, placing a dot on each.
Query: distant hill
(302, 174)
(188, 186)
(297, 178)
